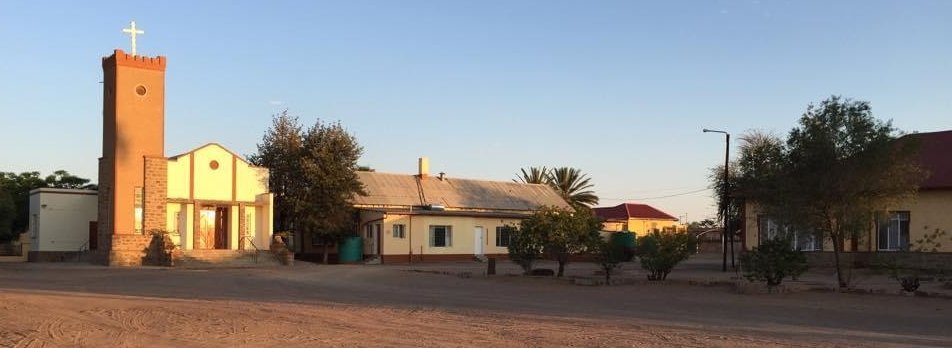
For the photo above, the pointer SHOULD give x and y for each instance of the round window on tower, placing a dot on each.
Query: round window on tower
(140, 90)
(213, 165)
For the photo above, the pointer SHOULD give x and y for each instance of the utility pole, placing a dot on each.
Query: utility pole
(726, 235)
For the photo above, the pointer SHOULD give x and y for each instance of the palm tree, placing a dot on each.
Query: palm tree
(535, 175)
(573, 186)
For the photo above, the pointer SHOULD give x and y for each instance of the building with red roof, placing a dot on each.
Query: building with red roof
(635, 217)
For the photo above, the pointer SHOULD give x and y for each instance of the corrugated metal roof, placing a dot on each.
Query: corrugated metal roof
(405, 190)
(388, 190)
(482, 194)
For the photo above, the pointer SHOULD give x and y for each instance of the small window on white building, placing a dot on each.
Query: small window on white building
(503, 236)
(399, 231)
(441, 236)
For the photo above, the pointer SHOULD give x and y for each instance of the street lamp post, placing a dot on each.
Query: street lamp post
(725, 235)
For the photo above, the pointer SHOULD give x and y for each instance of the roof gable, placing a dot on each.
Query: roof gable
(213, 145)
(627, 211)
(935, 157)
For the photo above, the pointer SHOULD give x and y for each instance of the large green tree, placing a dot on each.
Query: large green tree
(8, 213)
(65, 180)
(313, 177)
(280, 151)
(554, 232)
(329, 166)
(837, 169)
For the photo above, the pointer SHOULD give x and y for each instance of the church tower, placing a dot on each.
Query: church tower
(133, 167)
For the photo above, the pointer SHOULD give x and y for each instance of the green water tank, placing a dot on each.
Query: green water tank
(626, 241)
(350, 250)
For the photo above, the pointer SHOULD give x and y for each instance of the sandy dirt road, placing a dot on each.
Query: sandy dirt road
(49, 305)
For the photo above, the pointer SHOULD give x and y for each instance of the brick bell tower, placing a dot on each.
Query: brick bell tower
(133, 166)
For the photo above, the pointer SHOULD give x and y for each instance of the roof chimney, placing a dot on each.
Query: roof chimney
(424, 167)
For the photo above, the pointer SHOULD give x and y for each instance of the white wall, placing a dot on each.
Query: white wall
(59, 218)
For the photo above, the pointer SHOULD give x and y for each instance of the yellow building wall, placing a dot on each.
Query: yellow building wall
(639, 227)
(213, 183)
(752, 235)
(251, 181)
(252, 226)
(927, 212)
(417, 235)
(234, 238)
(614, 226)
(492, 224)
(264, 212)
(178, 177)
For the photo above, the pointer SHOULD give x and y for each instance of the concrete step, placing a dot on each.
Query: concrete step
(373, 260)
(224, 258)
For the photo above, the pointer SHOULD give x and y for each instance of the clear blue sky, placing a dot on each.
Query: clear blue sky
(618, 89)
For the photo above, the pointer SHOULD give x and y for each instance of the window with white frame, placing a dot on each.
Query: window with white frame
(441, 236)
(807, 241)
(503, 235)
(894, 231)
(800, 239)
(399, 231)
(138, 211)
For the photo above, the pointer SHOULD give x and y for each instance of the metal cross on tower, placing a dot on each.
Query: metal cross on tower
(133, 32)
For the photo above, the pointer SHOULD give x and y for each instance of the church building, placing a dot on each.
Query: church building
(205, 199)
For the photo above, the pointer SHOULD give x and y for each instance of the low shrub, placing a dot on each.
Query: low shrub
(772, 261)
(658, 252)
(608, 256)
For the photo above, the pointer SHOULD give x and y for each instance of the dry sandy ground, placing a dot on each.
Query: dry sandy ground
(49, 305)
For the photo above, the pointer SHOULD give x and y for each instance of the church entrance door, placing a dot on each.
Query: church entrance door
(221, 228)
(213, 228)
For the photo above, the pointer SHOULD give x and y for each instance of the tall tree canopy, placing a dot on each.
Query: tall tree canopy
(556, 232)
(313, 176)
(65, 180)
(837, 169)
(280, 151)
(534, 175)
(571, 183)
(574, 186)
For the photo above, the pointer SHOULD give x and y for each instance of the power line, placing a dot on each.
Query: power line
(658, 197)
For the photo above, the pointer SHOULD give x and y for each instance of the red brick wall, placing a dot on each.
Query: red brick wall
(128, 249)
(155, 194)
(104, 223)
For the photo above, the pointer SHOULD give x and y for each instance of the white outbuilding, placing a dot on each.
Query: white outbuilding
(61, 223)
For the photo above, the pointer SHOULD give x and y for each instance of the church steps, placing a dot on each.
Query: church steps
(224, 259)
